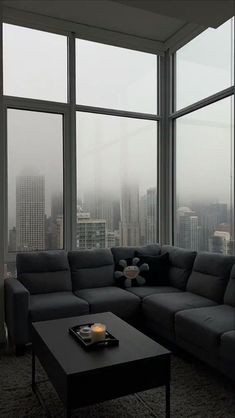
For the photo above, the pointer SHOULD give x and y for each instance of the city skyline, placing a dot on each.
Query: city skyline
(130, 220)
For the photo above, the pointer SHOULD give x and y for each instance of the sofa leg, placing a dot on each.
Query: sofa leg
(20, 349)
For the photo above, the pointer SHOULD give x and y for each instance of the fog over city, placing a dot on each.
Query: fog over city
(114, 151)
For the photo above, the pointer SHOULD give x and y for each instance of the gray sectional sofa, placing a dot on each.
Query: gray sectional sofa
(193, 309)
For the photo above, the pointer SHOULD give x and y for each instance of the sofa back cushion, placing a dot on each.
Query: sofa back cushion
(44, 272)
(210, 275)
(123, 253)
(229, 296)
(91, 268)
(180, 265)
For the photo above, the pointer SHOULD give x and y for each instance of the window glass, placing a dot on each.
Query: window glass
(205, 65)
(116, 78)
(34, 64)
(35, 180)
(205, 178)
(116, 181)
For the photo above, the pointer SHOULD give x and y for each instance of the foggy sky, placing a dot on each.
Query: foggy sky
(111, 148)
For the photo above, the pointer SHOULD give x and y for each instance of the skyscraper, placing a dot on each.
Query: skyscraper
(151, 215)
(129, 225)
(188, 229)
(30, 213)
(91, 233)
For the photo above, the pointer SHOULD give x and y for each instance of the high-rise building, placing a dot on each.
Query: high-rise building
(30, 213)
(151, 227)
(91, 233)
(219, 243)
(129, 225)
(188, 229)
(12, 239)
(56, 206)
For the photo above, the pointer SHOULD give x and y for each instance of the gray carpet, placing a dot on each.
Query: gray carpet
(197, 392)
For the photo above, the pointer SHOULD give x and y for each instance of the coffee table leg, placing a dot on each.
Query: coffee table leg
(168, 400)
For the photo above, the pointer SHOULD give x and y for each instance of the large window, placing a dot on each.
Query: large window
(205, 65)
(116, 78)
(204, 142)
(116, 181)
(34, 64)
(205, 179)
(35, 180)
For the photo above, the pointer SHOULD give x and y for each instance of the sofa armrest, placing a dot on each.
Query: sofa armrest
(17, 311)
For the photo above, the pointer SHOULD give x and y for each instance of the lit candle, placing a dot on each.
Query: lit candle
(98, 332)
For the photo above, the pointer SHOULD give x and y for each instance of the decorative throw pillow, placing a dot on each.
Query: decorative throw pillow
(157, 274)
(129, 272)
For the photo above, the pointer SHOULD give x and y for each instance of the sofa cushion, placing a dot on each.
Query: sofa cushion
(203, 326)
(210, 275)
(120, 253)
(180, 265)
(229, 296)
(111, 298)
(160, 309)
(44, 271)
(91, 268)
(157, 273)
(227, 348)
(151, 290)
(56, 305)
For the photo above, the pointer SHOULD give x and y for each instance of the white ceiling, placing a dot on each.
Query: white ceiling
(159, 21)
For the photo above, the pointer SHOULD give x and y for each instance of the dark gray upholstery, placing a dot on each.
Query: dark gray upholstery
(111, 298)
(44, 272)
(16, 310)
(181, 263)
(229, 296)
(120, 253)
(210, 275)
(203, 327)
(56, 305)
(91, 268)
(160, 309)
(227, 348)
(143, 291)
(227, 354)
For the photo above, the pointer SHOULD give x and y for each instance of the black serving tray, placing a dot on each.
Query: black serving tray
(110, 340)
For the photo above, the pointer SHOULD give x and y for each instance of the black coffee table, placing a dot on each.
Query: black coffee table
(83, 377)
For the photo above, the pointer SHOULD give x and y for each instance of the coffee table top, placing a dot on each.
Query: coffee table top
(73, 358)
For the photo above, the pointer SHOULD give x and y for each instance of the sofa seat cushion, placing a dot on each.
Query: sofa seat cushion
(227, 349)
(203, 326)
(144, 291)
(56, 305)
(161, 308)
(110, 298)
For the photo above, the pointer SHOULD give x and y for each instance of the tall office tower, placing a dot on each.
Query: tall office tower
(91, 233)
(188, 229)
(151, 215)
(143, 219)
(56, 206)
(30, 213)
(129, 225)
(220, 242)
(101, 205)
(12, 239)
